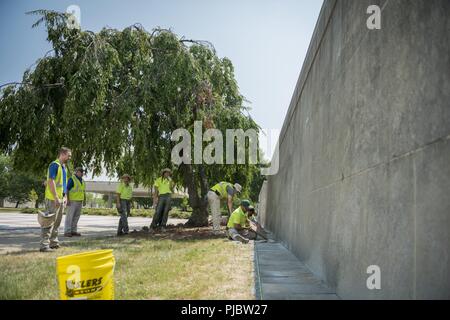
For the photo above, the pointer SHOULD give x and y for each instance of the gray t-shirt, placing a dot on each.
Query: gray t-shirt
(231, 191)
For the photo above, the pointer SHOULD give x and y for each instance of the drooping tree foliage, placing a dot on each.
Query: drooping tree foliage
(17, 186)
(114, 97)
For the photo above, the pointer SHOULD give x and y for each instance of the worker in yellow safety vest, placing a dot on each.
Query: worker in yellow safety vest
(55, 201)
(76, 196)
(237, 226)
(162, 198)
(221, 191)
(124, 193)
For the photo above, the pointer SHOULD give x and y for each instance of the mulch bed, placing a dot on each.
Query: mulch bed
(178, 232)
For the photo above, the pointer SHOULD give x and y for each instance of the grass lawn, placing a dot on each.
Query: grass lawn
(147, 267)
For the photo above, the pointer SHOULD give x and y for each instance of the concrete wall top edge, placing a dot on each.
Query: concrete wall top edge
(319, 31)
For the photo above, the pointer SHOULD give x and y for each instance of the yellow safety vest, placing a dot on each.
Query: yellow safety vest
(237, 217)
(58, 183)
(77, 192)
(221, 187)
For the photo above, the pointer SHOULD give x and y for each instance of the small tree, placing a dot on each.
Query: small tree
(4, 177)
(34, 197)
(20, 186)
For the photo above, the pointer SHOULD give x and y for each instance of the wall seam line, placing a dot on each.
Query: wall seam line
(404, 155)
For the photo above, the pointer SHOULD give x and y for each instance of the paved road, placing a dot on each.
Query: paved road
(20, 231)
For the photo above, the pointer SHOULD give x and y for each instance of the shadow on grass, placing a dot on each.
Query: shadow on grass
(177, 234)
(180, 234)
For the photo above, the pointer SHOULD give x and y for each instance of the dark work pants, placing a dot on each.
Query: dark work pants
(162, 211)
(125, 206)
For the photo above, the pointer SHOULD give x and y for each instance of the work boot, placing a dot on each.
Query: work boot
(76, 234)
(241, 239)
(46, 249)
(67, 234)
(55, 246)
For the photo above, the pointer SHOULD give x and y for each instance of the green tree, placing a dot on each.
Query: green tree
(184, 204)
(145, 202)
(39, 189)
(89, 199)
(115, 97)
(4, 177)
(33, 196)
(19, 187)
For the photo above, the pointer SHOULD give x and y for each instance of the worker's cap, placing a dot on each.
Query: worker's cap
(46, 219)
(126, 176)
(166, 170)
(79, 169)
(238, 187)
(245, 204)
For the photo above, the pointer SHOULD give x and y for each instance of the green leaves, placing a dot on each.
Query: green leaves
(120, 95)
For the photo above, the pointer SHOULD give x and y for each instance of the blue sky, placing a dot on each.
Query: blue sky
(266, 40)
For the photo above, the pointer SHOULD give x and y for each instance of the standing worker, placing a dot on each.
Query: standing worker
(75, 198)
(123, 201)
(162, 198)
(55, 200)
(221, 191)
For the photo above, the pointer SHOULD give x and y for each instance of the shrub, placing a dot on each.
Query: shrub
(176, 213)
(29, 210)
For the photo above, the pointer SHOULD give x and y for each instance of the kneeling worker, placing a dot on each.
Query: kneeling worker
(236, 226)
(251, 219)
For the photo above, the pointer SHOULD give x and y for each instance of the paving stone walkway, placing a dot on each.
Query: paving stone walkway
(281, 276)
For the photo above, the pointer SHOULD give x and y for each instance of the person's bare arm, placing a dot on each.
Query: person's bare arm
(155, 197)
(67, 199)
(230, 204)
(67, 194)
(52, 186)
(118, 200)
(238, 227)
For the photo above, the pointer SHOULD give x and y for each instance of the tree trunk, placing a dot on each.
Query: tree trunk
(2, 202)
(199, 216)
(17, 204)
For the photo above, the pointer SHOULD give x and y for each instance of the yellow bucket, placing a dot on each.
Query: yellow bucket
(86, 275)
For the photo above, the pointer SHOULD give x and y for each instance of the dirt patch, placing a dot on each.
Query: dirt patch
(178, 232)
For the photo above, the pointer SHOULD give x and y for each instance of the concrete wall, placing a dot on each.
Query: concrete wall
(262, 205)
(365, 152)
